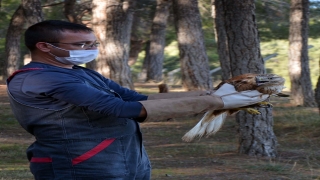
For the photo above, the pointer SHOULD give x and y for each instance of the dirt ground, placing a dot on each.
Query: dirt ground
(209, 158)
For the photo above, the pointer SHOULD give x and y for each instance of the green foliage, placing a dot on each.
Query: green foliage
(53, 9)
(8, 7)
(273, 25)
(272, 20)
(277, 65)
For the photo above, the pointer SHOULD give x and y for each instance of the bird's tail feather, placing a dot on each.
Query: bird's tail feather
(205, 127)
(216, 124)
(198, 129)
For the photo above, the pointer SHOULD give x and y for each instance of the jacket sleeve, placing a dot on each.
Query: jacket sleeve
(47, 89)
(125, 93)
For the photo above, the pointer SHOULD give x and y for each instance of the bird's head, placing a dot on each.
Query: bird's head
(264, 83)
(269, 83)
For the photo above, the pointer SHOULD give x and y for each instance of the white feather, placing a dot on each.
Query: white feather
(205, 126)
(216, 124)
(195, 131)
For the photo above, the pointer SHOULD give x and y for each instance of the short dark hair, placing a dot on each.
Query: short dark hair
(50, 31)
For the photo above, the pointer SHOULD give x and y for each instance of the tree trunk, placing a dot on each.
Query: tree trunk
(119, 22)
(193, 58)
(99, 19)
(301, 87)
(75, 10)
(221, 38)
(70, 11)
(32, 11)
(143, 74)
(135, 49)
(28, 13)
(256, 136)
(138, 32)
(12, 45)
(157, 41)
(240, 41)
(317, 91)
(242, 37)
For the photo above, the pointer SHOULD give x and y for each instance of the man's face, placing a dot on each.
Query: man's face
(73, 41)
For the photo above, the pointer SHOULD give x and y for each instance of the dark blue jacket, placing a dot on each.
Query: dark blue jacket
(83, 124)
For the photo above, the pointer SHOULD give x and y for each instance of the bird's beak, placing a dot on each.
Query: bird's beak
(260, 80)
(269, 79)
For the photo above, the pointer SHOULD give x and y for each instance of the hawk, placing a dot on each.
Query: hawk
(212, 120)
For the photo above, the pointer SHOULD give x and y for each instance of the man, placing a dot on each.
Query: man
(86, 126)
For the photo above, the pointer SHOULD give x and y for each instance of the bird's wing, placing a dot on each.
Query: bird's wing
(242, 82)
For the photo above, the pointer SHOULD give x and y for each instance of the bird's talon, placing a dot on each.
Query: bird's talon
(265, 104)
(252, 111)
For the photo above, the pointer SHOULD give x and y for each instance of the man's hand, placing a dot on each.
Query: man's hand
(234, 99)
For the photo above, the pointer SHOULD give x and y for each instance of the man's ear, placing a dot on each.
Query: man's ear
(43, 46)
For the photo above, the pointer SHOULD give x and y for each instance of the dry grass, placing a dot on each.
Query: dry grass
(216, 157)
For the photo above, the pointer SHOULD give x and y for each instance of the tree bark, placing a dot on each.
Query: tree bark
(143, 73)
(256, 137)
(239, 40)
(317, 91)
(193, 58)
(75, 11)
(70, 11)
(99, 20)
(135, 49)
(28, 13)
(137, 33)
(157, 41)
(12, 44)
(221, 38)
(119, 22)
(301, 86)
(32, 11)
(242, 37)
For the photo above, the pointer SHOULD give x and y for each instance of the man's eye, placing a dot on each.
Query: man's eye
(79, 44)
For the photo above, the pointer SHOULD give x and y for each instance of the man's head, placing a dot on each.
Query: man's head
(61, 43)
(51, 31)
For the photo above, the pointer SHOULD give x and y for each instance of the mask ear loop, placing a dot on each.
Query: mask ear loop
(56, 47)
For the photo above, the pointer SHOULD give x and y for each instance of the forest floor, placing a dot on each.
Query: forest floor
(297, 130)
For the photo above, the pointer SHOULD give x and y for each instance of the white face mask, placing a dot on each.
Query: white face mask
(77, 57)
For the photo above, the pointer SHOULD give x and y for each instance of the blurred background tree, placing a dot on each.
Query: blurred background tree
(272, 21)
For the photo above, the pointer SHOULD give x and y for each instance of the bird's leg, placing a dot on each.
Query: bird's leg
(251, 111)
(264, 104)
